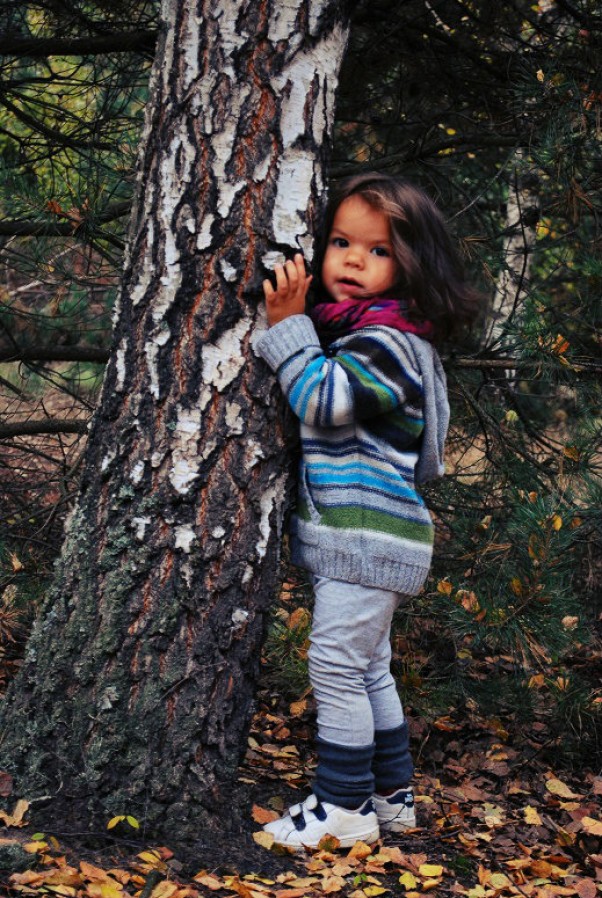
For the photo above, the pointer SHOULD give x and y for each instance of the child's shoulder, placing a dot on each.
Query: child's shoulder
(381, 345)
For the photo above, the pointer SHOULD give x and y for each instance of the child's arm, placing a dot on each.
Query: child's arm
(288, 298)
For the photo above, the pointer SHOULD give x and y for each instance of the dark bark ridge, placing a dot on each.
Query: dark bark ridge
(138, 681)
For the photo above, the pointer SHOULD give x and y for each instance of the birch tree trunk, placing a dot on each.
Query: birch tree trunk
(522, 215)
(137, 685)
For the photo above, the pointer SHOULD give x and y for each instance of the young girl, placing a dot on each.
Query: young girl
(361, 374)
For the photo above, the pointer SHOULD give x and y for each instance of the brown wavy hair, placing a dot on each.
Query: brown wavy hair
(431, 272)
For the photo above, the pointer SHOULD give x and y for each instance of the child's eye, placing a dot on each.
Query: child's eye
(381, 251)
(340, 242)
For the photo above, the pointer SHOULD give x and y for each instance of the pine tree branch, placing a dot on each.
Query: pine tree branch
(43, 426)
(511, 364)
(52, 133)
(55, 354)
(133, 41)
(30, 228)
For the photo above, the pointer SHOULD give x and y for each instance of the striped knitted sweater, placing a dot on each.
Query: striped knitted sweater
(374, 413)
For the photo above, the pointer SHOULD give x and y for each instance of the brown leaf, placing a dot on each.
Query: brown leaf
(6, 784)
(290, 893)
(296, 709)
(586, 888)
(263, 815)
(209, 881)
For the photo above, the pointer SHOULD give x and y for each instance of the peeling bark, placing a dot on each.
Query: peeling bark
(522, 216)
(138, 681)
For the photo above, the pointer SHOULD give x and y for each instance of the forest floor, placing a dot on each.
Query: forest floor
(494, 819)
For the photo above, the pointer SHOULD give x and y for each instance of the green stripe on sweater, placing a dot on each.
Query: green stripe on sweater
(354, 517)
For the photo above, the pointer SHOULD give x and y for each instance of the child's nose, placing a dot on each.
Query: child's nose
(354, 257)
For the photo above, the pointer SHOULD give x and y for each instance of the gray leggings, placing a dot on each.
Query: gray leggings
(349, 662)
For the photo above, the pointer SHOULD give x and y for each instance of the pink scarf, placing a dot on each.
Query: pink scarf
(337, 319)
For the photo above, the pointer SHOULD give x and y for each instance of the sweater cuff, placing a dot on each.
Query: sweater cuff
(285, 339)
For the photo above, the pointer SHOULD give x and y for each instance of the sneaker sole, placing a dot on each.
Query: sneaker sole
(344, 842)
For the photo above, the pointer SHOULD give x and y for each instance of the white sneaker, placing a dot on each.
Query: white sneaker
(395, 812)
(306, 824)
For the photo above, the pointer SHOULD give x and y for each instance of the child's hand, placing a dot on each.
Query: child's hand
(292, 284)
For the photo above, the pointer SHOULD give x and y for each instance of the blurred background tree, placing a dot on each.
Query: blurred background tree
(495, 109)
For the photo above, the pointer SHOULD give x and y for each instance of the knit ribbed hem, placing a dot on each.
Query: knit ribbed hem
(344, 775)
(285, 339)
(393, 574)
(392, 765)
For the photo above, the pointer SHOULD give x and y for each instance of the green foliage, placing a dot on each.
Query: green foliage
(287, 642)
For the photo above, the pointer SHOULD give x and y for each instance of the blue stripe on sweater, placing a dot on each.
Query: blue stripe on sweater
(300, 395)
(367, 482)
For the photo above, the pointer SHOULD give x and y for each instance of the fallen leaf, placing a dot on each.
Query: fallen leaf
(591, 826)
(266, 840)
(263, 815)
(6, 784)
(586, 888)
(430, 870)
(557, 787)
(531, 816)
(332, 884)
(164, 890)
(16, 818)
(328, 843)
(209, 881)
(360, 850)
(296, 709)
(290, 893)
(408, 880)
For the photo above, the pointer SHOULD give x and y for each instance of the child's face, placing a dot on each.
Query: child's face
(359, 259)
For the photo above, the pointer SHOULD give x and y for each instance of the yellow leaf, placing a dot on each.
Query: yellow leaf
(150, 857)
(444, 587)
(35, 846)
(360, 850)
(531, 816)
(591, 826)
(15, 563)
(371, 891)
(114, 821)
(540, 75)
(516, 586)
(556, 522)
(536, 681)
(408, 880)
(266, 840)
(430, 870)
(332, 884)
(133, 822)
(499, 881)
(164, 890)
(108, 889)
(557, 787)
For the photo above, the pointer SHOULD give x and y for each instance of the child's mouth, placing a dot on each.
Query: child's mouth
(349, 282)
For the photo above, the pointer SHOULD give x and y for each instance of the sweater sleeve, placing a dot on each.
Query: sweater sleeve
(372, 372)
